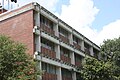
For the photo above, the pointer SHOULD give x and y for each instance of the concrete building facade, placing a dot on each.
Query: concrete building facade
(58, 47)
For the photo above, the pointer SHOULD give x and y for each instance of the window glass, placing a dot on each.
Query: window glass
(46, 22)
(78, 58)
(48, 68)
(65, 52)
(66, 73)
(47, 44)
(75, 39)
(63, 32)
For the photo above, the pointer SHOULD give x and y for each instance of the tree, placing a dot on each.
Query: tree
(95, 69)
(15, 64)
(110, 50)
(108, 67)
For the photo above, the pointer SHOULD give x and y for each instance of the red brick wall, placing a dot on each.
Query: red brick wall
(19, 28)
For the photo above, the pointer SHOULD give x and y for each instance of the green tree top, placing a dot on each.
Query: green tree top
(108, 68)
(15, 64)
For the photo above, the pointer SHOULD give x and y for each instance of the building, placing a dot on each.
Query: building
(59, 48)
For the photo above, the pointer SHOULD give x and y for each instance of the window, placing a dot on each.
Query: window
(47, 44)
(46, 22)
(64, 51)
(42, 19)
(75, 39)
(44, 66)
(48, 68)
(51, 24)
(78, 58)
(87, 46)
(66, 73)
(63, 32)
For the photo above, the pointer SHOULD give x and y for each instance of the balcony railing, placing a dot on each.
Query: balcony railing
(47, 29)
(77, 46)
(64, 39)
(49, 76)
(66, 78)
(87, 51)
(78, 63)
(65, 59)
(48, 52)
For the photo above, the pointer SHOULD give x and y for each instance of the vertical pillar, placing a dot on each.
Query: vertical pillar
(74, 76)
(39, 66)
(71, 38)
(56, 30)
(37, 38)
(72, 57)
(82, 45)
(57, 50)
(59, 74)
(91, 51)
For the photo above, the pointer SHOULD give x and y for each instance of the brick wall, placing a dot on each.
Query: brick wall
(19, 28)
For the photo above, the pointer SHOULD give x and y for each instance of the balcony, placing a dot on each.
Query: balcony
(65, 59)
(48, 30)
(66, 78)
(78, 63)
(48, 52)
(77, 46)
(87, 51)
(63, 38)
(49, 76)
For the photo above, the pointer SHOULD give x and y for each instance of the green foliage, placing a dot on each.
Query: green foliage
(15, 64)
(94, 69)
(110, 50)
(108, 68)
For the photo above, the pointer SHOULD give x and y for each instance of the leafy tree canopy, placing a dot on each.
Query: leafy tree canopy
(110, 50)
(94, 69)
(108, 68)
(15, 64)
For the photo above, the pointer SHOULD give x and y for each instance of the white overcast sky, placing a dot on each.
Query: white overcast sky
(80, 15)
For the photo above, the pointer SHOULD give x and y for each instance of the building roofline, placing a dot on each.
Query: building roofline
(11, 13)
(68, 25)
(32, 6)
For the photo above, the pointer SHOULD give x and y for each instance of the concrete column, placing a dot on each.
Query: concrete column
(39, 67)
(74, 75)
(59, 74)
(57, 50)
(37, 18)
(37, 37)
(91, 51)
(82, 45)
(38, 43)
(72, 57)
(56, 29)
(71, 38)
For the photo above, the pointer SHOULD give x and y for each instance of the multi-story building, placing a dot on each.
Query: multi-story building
(59, 48)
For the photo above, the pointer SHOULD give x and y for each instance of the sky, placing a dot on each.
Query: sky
(98, 20)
